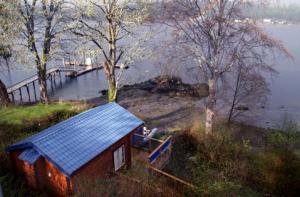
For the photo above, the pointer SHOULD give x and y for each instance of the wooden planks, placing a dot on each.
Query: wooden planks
(28, 81)
(172, 177)
(50, 73)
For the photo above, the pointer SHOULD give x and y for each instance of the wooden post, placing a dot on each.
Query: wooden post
(60, 81)
(20, 92)
(75, 59)
(13, 97)
(54, 75)
(91, 57)
(69, 60)
(34, 90)
(59, 74)
(83, 58)
(28, 93)
(51, 81)
(74, 66)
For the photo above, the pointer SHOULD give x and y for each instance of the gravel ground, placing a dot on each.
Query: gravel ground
(159, 110)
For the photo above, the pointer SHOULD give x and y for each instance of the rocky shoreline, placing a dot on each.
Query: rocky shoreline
(168, 85)
(162, 102)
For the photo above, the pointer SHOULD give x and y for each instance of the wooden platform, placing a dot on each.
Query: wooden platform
(50, 74)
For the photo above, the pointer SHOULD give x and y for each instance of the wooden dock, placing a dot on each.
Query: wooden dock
(50, 74)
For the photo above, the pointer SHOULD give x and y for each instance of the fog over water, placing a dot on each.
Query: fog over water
(284, 101)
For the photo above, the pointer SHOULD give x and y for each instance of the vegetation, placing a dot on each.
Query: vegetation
(113, 22)
(230, 164)
(42, 24)
(223, 50)
(16, 123)
(6, 33)
(288, 12)
(230, 57)
(19, 115)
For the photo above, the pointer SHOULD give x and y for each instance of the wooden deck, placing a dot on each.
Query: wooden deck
(50, 74)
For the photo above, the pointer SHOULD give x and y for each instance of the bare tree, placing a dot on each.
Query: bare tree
(43, 22)
(7, 33)
(106, 24)
(211, 31)
(4, 54)
(248, 91)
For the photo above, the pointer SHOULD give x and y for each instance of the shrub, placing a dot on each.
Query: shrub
(184, 146)
(224, 154)
(226, 188)
(227, 166)
(283, 140)
(276, 172)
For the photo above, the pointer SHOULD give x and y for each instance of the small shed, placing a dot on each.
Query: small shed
(92, 143)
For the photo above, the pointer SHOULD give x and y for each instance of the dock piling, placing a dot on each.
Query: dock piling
(20, 92)
(51, 81)
(28, 92)
(51, 74)
(12, 97)
(54, 75)
(34, 90)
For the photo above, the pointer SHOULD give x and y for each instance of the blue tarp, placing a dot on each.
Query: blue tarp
(163, 147)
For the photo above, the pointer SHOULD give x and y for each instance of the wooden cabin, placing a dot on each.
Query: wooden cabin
(91, 144)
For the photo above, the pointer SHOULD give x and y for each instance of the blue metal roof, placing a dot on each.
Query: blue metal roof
(74, 142)
(29, 155)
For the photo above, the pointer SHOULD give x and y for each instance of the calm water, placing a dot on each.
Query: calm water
(285, 87)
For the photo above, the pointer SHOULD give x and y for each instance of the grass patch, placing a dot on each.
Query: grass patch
(17, 123)
(20, 115)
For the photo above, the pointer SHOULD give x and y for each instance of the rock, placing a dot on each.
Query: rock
(170, 85)
(242, 108)
(202, 89)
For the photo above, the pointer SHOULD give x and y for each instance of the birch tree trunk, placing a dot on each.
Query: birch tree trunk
(211, 105)
(4, 98)
(112, 86)
(43, 84)
(112, 90)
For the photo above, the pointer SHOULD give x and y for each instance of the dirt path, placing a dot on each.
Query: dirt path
(163, 111)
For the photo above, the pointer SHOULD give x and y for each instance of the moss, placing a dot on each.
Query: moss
(20, 115)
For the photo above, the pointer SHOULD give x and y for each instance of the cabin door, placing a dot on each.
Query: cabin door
(119, 157)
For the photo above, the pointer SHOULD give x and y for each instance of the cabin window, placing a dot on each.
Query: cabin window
(119, 157)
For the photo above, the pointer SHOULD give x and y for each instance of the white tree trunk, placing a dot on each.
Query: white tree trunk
(210, 108)
(43, 85)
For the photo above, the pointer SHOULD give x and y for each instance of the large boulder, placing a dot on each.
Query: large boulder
(171, 85)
